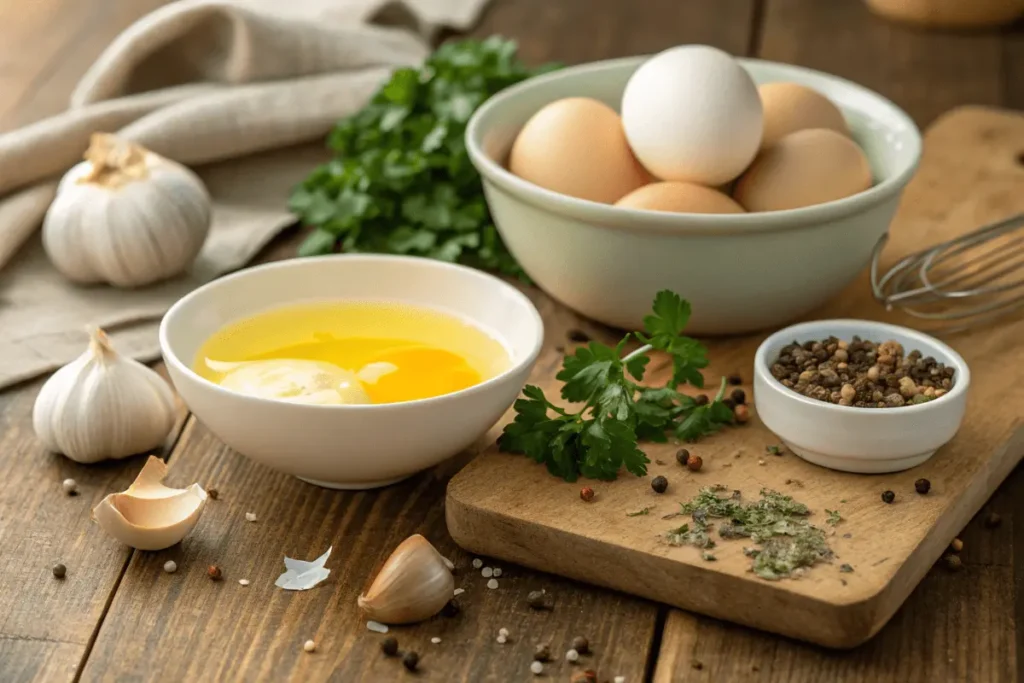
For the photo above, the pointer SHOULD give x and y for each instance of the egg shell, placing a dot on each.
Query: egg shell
(678, 197)
(803, 169)
(576, 146)
(789, 107)
(692, 113)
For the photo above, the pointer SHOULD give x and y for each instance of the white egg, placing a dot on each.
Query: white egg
(693, 114)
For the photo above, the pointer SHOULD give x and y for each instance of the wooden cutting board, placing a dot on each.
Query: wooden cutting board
(507, 507)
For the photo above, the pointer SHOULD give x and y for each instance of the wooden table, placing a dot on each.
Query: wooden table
(117, 616)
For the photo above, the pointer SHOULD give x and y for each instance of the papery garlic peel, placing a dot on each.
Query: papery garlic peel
(414, 584)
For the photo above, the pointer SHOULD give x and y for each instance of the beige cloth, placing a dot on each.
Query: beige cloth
(244, 89)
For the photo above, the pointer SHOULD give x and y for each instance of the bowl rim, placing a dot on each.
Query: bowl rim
(866, 329)
(647, 221)
(172, 359)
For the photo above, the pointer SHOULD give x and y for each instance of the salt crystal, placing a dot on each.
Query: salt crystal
(376, 627)
(497, 572)
(459, 591)
(170, 566)
(502, 640)
(537, 668)
(435, 640)
(492, 584)
(243, 582)
(477, 563)
(309, 646)
(487, 572)
(572, 656)
(250, 516)
(300, 575)
(503, 632)
(620, 679)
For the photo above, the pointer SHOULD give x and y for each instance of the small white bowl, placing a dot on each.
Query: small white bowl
(741, 272)
(863, 440)
(361, 446)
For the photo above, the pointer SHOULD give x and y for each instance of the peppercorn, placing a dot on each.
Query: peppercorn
(581, 645)
(587, 493)
(993, 520)
(922, 486)
(697, 665)
(742, 414)
(59, 571)
(214, 572)
(702, 400)
(213, 493)
(537, 600)
(410, 660)
(735, 380)
(694, 463)
(682, 455)
(729, 403)
(659, 484)
(952, 562)
(542, 653)
(578, 336)
(739, 396)
(451, 608)
(956, 545)
(389, 646)
(888, 496)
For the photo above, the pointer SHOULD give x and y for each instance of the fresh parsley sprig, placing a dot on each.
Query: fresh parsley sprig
(601, 437)
(401, 181)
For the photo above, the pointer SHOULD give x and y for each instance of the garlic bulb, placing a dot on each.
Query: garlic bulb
(125, 216)
(414, 584)
(103, 406)
(149, 515)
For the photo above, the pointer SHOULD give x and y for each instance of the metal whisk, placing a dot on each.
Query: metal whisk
(968, 280)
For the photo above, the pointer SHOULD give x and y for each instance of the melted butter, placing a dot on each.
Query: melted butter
(350, 353)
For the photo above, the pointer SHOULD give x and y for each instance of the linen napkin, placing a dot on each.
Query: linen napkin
(243, 91)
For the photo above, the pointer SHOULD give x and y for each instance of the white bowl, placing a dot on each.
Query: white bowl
(741, 272)
(361, 446)
(864, 440)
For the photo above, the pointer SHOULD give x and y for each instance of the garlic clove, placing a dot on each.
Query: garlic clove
(149, 515)
(414, 584)
(103, 406)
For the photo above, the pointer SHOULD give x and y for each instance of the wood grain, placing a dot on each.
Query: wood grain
(505, 505)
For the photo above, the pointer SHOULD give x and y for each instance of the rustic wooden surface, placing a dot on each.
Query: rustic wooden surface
(503, 506)
(102, 621)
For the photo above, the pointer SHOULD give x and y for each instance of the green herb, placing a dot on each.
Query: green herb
(846, 568)
(401, 181)
(776, 523)
(833, 517)
(773, 450)
(638, 513)
(708, 557)
(601, 437)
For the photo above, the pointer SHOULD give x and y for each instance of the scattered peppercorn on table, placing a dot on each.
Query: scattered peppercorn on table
(75, 605)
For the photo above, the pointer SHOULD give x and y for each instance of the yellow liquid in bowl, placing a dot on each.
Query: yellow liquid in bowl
(413, 353)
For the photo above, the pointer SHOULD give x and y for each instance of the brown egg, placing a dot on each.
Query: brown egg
(678, 197)
(577, 147)
(802, 169)
(789, 107)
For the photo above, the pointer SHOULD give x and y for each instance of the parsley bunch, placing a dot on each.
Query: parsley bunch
(402, 181)
(617, 412)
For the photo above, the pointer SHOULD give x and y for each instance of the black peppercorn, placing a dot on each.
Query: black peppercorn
(729, 403)
(410, 660)
(993, 520)
(578, 336)
(213, 494)
(739, 396)
(735, 380)
(542, 653)
(702, 399)
(888, 496)
(59, 571)
(581, 645)
(389, 646)
(537, 600)
(659, 484)
(922, 486)
(682, 455)
(450, 609)
(694, 463)
(953, 562)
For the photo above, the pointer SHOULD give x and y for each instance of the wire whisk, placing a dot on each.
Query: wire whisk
(961, 283)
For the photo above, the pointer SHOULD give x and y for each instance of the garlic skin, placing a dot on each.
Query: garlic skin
(414, 584)
(103, 406)
(149, 515)
(125, 216)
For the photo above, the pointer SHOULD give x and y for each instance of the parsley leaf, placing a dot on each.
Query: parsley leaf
(401, 181)
(601, 437)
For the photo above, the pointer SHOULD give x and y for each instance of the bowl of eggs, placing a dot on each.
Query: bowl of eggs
(351, 371)
(755, 190)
